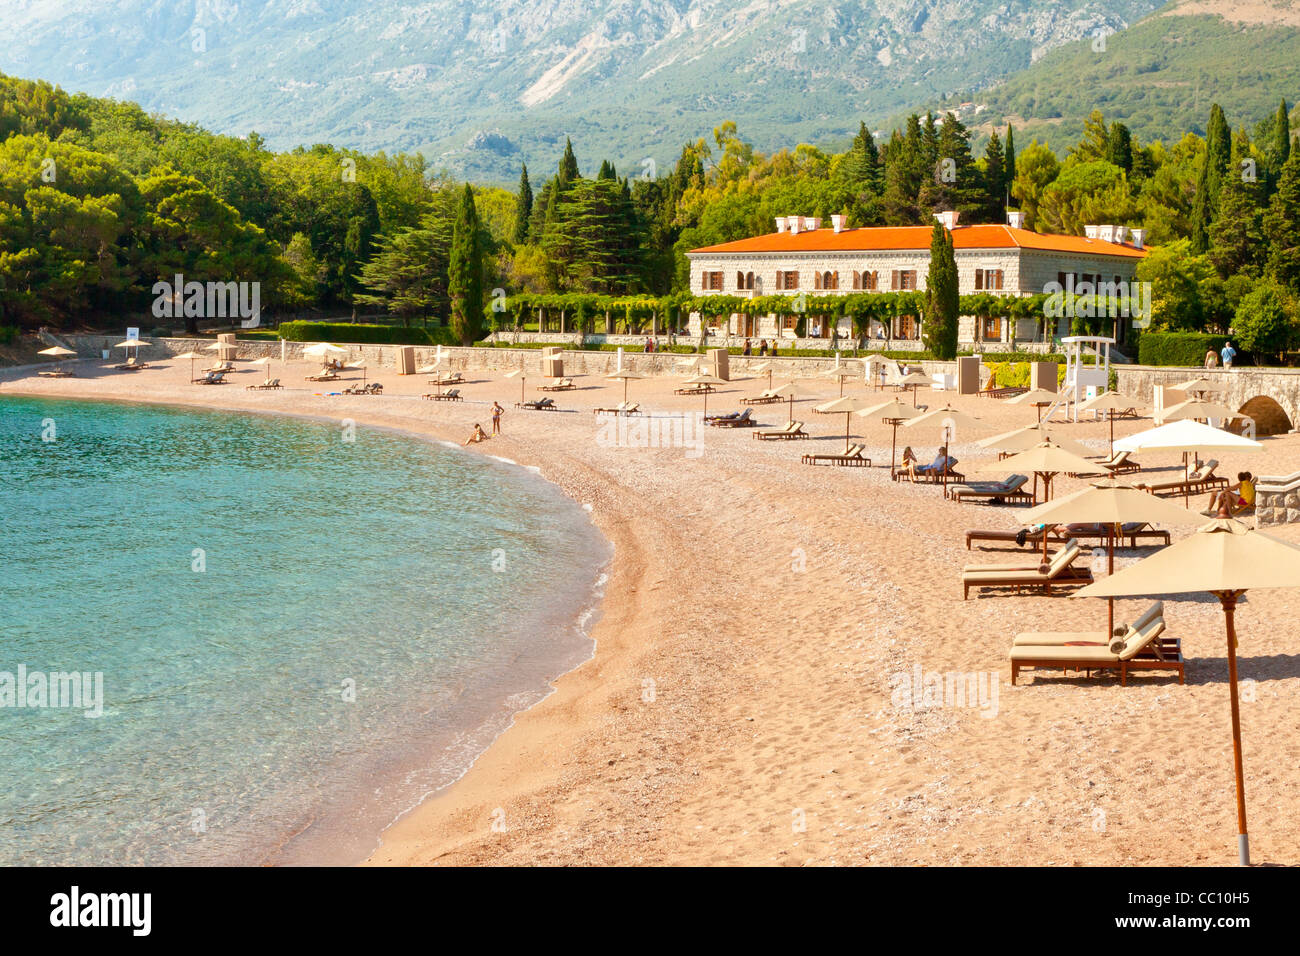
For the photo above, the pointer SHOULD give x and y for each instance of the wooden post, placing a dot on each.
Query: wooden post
(1229, 601)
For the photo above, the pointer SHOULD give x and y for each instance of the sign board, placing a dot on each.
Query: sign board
(133, 335)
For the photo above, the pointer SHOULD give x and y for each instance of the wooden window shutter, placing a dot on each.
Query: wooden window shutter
(893, 280)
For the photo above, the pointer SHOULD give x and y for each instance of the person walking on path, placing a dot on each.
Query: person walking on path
(1228, 354)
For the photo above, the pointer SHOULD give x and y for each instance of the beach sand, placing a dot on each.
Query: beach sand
(739, 706)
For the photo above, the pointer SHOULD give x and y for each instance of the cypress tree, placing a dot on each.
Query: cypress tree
(1237, 233)
(523, 207)
(1209, 180)
(941, 297)
(1010, 162)
(1282, 135)
(568, 172)
(465, 272)
(1119, 146)
(1282, 226)
(995, 178)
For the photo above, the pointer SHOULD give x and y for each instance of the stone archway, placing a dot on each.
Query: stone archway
(1270, 418)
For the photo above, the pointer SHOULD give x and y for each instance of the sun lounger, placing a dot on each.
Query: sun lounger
(694, 390)
(539, 405)
(766, 397)
(455, 378)
(1065, 638)
(1142, 646)
(939, 470)
(1117, 464)
(853, 457)
(1006, 391)
(1058, 572)
(131, 365)
(1132, 532)
(1201, 480)
(269, 383)
(1010, 491)
(451, 395)
(324, 375)
(57, 373)
(791, 430)
(742, 420)
(623, 408)
(212, 378)
(221, 367)
(374, 388)
(557, 385)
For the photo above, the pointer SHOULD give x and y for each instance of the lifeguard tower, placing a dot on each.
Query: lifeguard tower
(1082, 382)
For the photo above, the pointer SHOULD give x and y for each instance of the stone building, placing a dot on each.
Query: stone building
(803, 259)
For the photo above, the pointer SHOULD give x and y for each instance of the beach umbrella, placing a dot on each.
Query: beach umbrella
(359, 365)
(1112, 503)
(1044, 461)
(1197, 409)
(892, 413)
(192, 356)
(129, 344)
(1021, 439)
(1038, 397)
(264, 361)
(519, 374)
(1196, 386)
(625, 375)
(224, 350)
(706, 380)
(1110, 403)
(58, 351)
(848, 405)
(841, 374)
(762, 367)
(1225, 558)
(914, 380)
(1187, 437)
(946, 417)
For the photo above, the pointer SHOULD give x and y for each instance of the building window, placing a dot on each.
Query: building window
(711, 281)
(991, 328)
(871, 281)
(903, 280)
(749, 280)
(786, 281)
(988, 279)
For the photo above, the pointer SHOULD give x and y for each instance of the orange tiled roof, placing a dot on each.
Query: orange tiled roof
(901, 238)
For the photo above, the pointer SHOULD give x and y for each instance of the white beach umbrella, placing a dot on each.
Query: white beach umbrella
(625, 375)
(1188, 437)
(192, 356)
(707, 381)
(848, 404)
(519, 374)
(892, 413)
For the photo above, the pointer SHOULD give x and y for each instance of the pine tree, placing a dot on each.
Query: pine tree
(902, 177)
(860, 172)
(1119, 146)
(568, 171)
(523, 207)
(465, 272)
(606, 170)
(954, 181)
(1282, 226)
(941, 296)
(1209, 180)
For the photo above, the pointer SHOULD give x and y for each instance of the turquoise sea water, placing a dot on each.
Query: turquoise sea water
(238, 581)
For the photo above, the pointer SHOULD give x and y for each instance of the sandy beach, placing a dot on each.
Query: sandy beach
(739, 708)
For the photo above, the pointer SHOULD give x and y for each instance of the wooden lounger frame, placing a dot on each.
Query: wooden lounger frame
(1145, 660)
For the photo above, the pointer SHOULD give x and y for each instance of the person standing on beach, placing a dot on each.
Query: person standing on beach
(496, 418)
(1228, 354)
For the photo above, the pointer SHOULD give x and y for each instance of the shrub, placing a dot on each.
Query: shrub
(301, 331)
(1177, 348)
(160, 333)
(8, 334)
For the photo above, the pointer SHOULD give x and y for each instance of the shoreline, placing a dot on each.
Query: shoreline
(755, 615)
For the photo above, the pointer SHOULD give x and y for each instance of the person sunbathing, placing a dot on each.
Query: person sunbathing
(938, 466)
(478, 435)
(1235, 499)
(909, 463)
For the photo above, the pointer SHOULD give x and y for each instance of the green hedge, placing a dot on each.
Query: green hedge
(8, 334)
(1178, 348)
(301, 331)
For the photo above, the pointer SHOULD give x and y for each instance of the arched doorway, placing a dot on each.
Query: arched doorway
(1269, 416)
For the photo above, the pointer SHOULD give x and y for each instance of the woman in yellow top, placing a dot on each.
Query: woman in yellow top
(1238, 498)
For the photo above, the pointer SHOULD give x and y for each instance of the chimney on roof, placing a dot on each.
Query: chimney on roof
(813, 222)
(1015, 219)
(780, 223)
(1139, 238)
(837, 223)
(794, 223)
(948, 218)
(1092, 232)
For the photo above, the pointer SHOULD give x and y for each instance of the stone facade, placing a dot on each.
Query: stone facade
(1024, 272)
